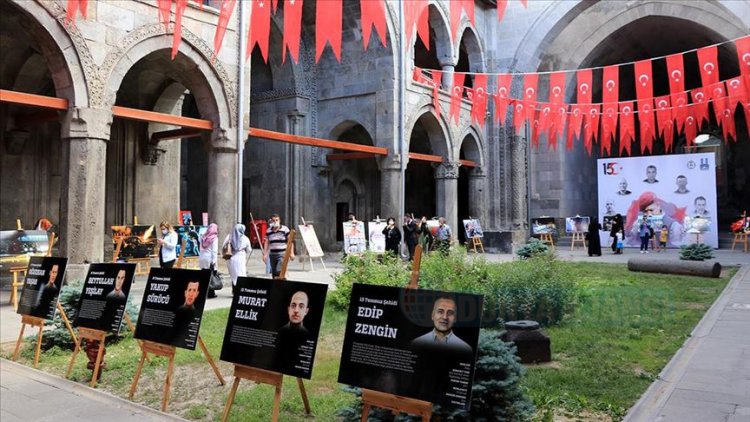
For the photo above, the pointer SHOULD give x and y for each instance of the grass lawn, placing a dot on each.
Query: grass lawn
(625, 329)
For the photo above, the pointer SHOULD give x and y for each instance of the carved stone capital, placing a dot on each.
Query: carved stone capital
(88, 123)
(221, 141)
(447, 170)
(391, 162)
(477, 173)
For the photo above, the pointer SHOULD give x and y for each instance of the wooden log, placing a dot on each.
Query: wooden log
(695, 268)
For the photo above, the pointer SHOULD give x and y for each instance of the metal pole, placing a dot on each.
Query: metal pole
(241, 133)
(402, 107)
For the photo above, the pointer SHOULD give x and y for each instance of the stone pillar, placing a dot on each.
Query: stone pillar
(446, 192)
(85, 133)
(448, 65)
(477, 196)
(519, 188)
(222, 182)
(390, 186)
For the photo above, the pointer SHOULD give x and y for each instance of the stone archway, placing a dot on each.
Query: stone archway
(470, 56)
(471, 197)
(440, 52)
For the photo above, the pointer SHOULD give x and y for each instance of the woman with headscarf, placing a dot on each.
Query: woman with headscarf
(209, 249)
(241, 249)
(592, 236)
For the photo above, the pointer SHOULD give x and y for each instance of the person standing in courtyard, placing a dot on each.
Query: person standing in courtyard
(237, 247)
(274, 248)
(392, 236)
(167, 245)
(209, 249)
(443, 236)
(617, 227)
(644, 232)
(592, 237)
(411, 236)
(425, 235)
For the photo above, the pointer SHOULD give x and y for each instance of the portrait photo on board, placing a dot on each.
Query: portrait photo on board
(41, 287)
(172, 307)
(274, 325)
(473, 228)
(577, 224)
(414, 343)
(105, 296)
(137, 241)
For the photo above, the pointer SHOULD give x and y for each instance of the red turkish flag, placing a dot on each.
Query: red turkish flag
(457, 96)
(536, 129)
(519, 114)
(415, 13)
(524, 3)
(225, 13)
(327, 27)
(610, 81)
(676, 71)
(709, 65)
(501, 5)
(437, 77)
(373, 14)
(584, 80)
(559, 118)
(663, 114)
(679, 109)
(627, 126)
(575, 121)
(260, 28)
(743, 54)
(545, 116)
(479, 104)
(177, 36)
(609, 126)
(165, 7)
(720, 101)
(275, 5)
(74, 6)
(728, 128)
(504, 81)
(691, 125)
(700, 105)
(468, 6)
(736, 92)
(530, 82)
(292, 29)
(557, 87)
(591, 126)
(647, 124)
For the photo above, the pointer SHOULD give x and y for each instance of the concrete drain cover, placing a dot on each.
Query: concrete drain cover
(745, 306)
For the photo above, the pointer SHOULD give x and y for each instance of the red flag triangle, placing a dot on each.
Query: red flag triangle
(260, 28)
(292, 29)
(373, 14)
(328, 27)
(225, 13)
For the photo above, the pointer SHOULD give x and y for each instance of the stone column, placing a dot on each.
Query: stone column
(477, 195)
(448, 65)
(446, 192)
(519, 188)
(85, 133)
(222, 182)
(390, 186)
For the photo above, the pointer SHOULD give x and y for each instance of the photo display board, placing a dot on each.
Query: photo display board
(678, 190)
(192, 236)
(137, 241)
(543, 225)
(355, 240)
(41, 287)
(274, 325)
(377, 238)
(23, 242)
(311, 240)
(185, 218)
(172, 307)
(473, 228)
(390, 343)
(105, 296)
(577, 224)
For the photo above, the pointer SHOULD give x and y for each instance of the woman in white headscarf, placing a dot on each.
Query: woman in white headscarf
(241, 249)
(209, 250)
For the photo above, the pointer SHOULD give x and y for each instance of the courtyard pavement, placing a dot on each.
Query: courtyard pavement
(707, 380)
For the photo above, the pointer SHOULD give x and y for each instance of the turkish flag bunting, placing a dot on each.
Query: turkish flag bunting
(627, 126)
(536, 129)
(663, 116)
(544, 117)
(74, 6)
(519, 114)
(720, 101)
(743, 54)
(292, 29)
(728, 128)
(177, 36)
(609, 126)
(676, 71)
(709, 65)
(679, 109)
(504, 81)
(524, 3)
(437, 77)
(700, 105)
(418, 76)
(479, 106)
(736, 92)
(557, 87)
(328, 27)
(275, 4)
(456, 6)
(691, 125)
(591, 126)
(559, 118)
(584, 80)
(415, 13)
(225, 13)
(501, 5)
(373, 14)
(530, 82)
(574, 124)
(647, 124)
(610, 80)
(260, 27)
(746, 103)
(456, 96)
(165, 7)
(468, 6)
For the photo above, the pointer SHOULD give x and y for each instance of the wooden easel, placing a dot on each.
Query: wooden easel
(578, 237)
(39, 322)
(477, 242)
(547, 238)
(178, 264)
(392, 402)
(168, 351)
(309, 258)
(740, 238)
(262, 376)
(142, 265)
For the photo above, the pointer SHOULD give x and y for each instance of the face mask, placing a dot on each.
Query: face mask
(275, 225)
(164, 231)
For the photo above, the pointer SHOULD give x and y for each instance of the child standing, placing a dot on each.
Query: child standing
(619, 243)
(663, 236)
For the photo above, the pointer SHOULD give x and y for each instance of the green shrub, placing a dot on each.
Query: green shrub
(696, 252)
(495, 395)
(368, 268)
(532, 248)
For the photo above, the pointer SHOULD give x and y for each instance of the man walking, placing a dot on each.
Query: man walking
(274, 247)
(411, 237)
(443, 236)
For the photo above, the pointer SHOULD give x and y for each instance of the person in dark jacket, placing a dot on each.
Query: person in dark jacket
(411, 237)
(392, 236)
(617, 226)
(595, 244)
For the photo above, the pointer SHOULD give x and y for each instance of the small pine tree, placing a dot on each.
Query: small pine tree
(533, 247)
(696, 252)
